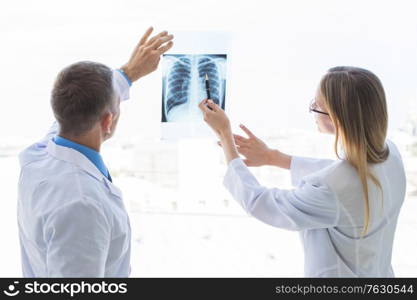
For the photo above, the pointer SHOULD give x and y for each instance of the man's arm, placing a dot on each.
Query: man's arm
(144, 60)
(121, 84)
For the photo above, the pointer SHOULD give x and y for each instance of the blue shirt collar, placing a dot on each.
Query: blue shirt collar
(91, 154)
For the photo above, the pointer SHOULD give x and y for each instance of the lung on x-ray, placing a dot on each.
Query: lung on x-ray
(183, 84)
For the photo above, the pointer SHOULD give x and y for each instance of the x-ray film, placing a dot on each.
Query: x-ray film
(183, 84)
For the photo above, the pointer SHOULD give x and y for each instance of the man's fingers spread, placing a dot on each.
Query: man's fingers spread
(165, 48)
(162, 41)
(159, 41)
(157, 36)
(145, 36)
(163, 33)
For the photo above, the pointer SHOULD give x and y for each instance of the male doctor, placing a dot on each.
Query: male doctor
(72, 221)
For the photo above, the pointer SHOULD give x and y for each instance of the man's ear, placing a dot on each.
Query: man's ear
(107, 122)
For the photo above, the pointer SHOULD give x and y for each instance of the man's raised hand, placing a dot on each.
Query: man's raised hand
(147, 54)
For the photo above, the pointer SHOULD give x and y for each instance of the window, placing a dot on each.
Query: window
(184, 222)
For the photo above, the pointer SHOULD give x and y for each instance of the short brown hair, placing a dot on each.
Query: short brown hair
(81, 94)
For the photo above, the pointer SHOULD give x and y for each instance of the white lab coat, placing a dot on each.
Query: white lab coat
(72, 221)
(327, 208)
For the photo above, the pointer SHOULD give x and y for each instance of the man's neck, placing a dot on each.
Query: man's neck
(90, 140)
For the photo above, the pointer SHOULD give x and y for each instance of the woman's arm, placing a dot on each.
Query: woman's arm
(257, 153)
(280, 159)
(311, 205)
(219, 122)
(229, 146)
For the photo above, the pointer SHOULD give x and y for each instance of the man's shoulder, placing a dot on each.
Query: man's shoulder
(46, 190)
(32, 154)
(48, 174)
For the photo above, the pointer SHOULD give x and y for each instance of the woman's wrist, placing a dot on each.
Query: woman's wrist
(278, 159)
(228, 145)
(225, 134)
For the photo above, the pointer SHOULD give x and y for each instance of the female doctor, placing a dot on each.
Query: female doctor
(346, 210)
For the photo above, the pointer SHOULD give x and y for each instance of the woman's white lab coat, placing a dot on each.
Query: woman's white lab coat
(327, 208)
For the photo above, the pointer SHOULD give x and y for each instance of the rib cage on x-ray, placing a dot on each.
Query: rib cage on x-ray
(207, 66)
(184, 85)
(178, 83)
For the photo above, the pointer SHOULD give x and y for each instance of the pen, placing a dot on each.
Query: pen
(208, 87)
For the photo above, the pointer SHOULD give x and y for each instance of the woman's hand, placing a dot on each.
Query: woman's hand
(217, 119)
(257, 153)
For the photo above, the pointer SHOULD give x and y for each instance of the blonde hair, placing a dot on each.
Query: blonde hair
(356, 103)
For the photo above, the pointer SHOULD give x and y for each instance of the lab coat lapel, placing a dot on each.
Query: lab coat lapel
(114, 190)
(77, 158)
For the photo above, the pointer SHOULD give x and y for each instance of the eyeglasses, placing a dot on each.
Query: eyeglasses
(313, 106)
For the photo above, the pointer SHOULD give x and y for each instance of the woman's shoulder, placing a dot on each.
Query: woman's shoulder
(343, 176)
(393, 149)
(336, 167)
(338, 176)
